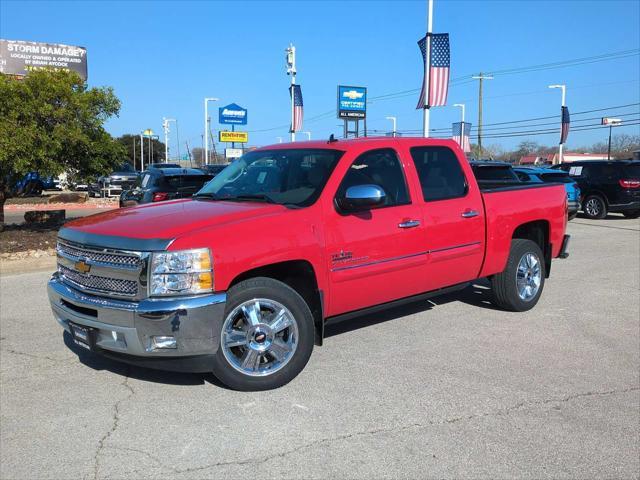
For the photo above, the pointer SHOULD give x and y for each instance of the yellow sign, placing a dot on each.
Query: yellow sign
(237, 137)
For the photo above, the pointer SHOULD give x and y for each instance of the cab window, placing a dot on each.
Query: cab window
(382, 168)
(441, 176)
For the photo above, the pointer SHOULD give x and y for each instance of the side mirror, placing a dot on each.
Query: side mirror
(362, 197)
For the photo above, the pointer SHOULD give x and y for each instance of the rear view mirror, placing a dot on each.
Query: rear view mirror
(362, 197)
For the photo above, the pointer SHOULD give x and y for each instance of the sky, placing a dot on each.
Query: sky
(163, 58)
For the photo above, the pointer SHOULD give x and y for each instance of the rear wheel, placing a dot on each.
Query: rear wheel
(266, 337)
(519, 286)
(632, 214)
(595, 207)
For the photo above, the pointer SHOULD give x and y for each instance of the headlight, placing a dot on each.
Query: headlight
(183, 272)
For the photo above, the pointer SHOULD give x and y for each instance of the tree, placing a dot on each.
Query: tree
(526, 147)
(128, 141)
(51, 122)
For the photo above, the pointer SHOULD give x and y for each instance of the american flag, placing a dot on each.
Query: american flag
(297, 108)
(461, 131)
(438, 72)
(565, 125)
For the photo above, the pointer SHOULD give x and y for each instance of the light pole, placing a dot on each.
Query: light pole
(561, 147)
(427, 71)
(291, 70)
(279, 139)
(206, 127)
(141, 152)
(308, 134)
(165, 127)
(611, 122)
(461, 105)
(393, 119)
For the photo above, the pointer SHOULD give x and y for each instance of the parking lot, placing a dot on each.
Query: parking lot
(445, 388)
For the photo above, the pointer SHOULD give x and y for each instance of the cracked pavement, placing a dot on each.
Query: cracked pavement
(446, 388)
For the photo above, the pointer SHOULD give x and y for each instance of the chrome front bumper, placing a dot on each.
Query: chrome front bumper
(125, 328)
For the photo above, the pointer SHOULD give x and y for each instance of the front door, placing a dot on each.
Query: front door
(376, 255)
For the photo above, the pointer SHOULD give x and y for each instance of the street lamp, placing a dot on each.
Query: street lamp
(206, 125)
(165, 127)
(564, 89)
(279, 139)
(461, 105)
(393, 119)
(308, 135)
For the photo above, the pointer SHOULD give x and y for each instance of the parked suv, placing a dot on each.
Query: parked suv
(161, 184)
(548, 175)
(607, 186)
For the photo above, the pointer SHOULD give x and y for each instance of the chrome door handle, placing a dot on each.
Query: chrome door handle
(409, 224)
(470, 213)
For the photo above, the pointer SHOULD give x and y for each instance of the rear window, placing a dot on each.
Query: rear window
(556, 177)
(632, 171)
(497, 172)
(190, 182)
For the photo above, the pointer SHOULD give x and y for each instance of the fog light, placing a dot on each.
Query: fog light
(163, 342)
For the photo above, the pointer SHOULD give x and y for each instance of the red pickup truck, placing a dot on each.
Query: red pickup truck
(241, 279)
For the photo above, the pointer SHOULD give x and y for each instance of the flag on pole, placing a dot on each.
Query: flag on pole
(438, 70)
(565, 125)
(461, 131)
(297, 108)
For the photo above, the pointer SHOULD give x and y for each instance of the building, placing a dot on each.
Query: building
(552, 158)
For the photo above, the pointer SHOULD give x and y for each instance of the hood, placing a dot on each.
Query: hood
(169, 220)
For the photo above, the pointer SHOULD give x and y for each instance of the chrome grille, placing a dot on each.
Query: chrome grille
(111, 286)
(99, 256)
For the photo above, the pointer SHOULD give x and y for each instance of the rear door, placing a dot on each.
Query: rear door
(453, 213)
(377, 255)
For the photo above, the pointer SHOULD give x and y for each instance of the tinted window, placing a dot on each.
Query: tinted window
(188, 182)
(632, 170)
(556, 177)
(523, 176)
(378, 167)
(494, 172)
(440, 173)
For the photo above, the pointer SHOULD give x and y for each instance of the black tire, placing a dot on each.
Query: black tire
(504, 284)
(594, 207)
(270, 289)
(631, 214)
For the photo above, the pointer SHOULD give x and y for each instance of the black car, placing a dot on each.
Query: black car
(156, 185)
(213, 169)
(607, 186)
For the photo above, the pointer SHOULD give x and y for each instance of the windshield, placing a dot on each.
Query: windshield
(283, 176)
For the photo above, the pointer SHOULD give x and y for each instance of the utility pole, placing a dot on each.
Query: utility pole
(480, 77)
(291, 70)
(561, 147)
(393, 119)
(205, 138)
(427, 71)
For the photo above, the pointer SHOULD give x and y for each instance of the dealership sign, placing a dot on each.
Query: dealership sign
(19, 57)
(611, 121)
(233, 152)
(352, 102)
(232, 114)
(234, 137)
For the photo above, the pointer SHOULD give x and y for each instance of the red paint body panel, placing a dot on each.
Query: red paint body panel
(362, 259)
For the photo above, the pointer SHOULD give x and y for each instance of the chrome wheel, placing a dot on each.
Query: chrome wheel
(593, 207)
(528, 276)
(259, 337)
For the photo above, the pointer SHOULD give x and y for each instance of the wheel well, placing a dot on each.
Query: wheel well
(538, 232)
(299, 275)
(596, 193)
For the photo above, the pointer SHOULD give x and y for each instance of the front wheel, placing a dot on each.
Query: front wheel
(632, 214)
(595, 207)
(266, 337)
(519, 286)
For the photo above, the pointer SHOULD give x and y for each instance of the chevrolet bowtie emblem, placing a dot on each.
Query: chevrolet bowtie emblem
(82, 266)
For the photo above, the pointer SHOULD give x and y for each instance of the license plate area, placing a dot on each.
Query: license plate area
(84, 337)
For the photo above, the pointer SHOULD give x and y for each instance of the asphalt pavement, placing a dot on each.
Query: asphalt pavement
(448, 388)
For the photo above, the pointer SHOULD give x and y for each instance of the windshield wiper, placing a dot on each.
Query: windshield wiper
(210, 196)
(251, 196)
